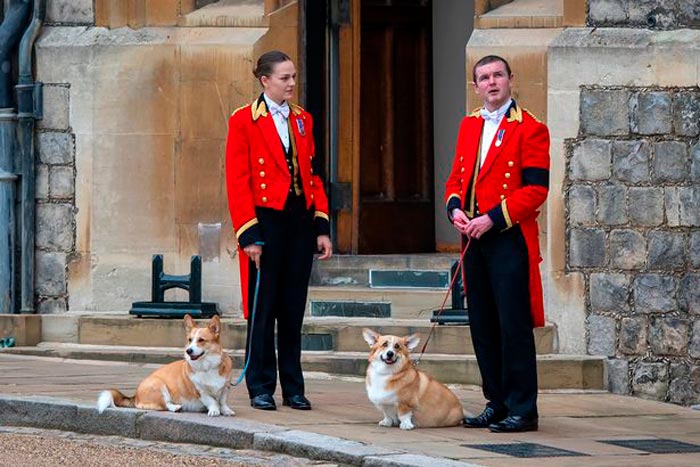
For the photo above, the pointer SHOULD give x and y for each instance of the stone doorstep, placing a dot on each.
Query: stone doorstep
(339, 334)
(194, 428)
(554, 371)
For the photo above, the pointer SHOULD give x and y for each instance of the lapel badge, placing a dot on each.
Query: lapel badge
(499, 137)
(300, 126)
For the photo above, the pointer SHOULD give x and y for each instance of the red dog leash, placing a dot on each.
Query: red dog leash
(442, 307)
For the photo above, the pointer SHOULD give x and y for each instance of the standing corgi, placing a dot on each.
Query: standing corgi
(199, 381)
(407, 397)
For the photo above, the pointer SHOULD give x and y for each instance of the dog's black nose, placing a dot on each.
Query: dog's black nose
(390, 354)
(189, 351)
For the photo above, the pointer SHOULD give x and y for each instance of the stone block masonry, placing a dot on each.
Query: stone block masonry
(633, 229)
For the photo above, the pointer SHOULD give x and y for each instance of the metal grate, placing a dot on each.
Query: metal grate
(525, 450)
(655, 446)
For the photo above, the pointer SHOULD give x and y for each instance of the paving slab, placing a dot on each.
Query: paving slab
(342, 427)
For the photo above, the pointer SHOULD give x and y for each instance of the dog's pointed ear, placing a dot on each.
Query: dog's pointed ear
(412, 341)
(189, 323)
(370, 336)
(215, 324)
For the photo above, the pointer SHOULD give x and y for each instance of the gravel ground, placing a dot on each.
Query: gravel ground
(33, 447)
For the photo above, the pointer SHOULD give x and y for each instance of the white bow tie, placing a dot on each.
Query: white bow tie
(280, 109)
(490, 116)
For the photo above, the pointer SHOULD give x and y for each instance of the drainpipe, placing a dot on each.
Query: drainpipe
(29, 107)
(10, 32)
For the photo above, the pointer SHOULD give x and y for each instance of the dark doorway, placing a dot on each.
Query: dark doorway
(396, 136)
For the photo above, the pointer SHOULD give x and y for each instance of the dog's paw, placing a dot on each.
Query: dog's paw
(227, 411)
(214, 412)
(386, 421)
(407, 425)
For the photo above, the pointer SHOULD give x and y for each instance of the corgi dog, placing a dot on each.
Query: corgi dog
(200, 381)
(407, 397)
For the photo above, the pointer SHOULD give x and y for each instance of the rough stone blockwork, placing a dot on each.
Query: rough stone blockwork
(633, 230)
(655, 14)
(55, 196)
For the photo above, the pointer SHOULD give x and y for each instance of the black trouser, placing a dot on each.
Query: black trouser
(498, 298)
(285, 266)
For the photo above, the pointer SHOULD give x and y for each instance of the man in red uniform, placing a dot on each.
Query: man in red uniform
(279, 211)
(499, 178)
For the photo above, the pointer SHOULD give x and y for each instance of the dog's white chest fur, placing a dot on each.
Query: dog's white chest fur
(205, 376)
(377, 384)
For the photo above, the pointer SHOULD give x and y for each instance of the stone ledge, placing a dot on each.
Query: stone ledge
(200, 429)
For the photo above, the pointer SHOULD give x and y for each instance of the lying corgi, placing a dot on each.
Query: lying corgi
(407, 397)
(199, 381)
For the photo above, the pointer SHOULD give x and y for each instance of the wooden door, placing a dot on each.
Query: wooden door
(395, 142)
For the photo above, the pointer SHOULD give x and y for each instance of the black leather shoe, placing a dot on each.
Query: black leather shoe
(263, 402)
(298, 402)
(484, 419)
(514, 424)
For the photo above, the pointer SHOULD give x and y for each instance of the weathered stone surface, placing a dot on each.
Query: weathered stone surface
(633, 335)
(42, 182)
(651, 112)
(605, 112)
(582, 205)
(650, 380)
(70, 12)
(695, 163)
(618, 376)
(50, 273)
(56, 148)
(627, 249)
(606, 12)
(651, 13)
(610, 292)
(694, 344)
(591, 160)
(671, 162)
(587, 248)
(52, 306)
(62, 183)
(54, 226)
(694, 256)
(602, 335)
(682, 206)
(654, 293)
(685, 384)
(686, 112)
(689, 13)
(611, 204)
(631, 161)
(689, 293)
(56, 107)
(669, 336)
(666, 250)
(646, 206)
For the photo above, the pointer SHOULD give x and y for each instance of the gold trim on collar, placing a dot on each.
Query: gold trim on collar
(258, 108)
(246, 226)
(296, 109)
(475, 112)
(516, 114)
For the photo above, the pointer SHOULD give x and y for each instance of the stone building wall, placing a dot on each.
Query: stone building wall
(633, 230)
(657, 14)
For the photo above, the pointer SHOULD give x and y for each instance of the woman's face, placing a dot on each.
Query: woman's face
(279, 86)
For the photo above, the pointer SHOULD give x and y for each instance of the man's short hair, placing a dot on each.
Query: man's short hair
(490, 59)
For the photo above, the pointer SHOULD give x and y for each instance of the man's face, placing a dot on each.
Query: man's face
(279, 86)
(493, 84)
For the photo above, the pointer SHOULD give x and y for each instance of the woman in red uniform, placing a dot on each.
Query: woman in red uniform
(280, 215)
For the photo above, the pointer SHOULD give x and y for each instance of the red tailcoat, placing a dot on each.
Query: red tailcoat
(257, 172)
(510, 186)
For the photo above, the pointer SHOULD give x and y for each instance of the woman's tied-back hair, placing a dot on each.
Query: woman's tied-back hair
(490, 59)
(267, 62)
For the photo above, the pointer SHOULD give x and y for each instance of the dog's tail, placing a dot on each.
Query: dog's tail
(113, 398)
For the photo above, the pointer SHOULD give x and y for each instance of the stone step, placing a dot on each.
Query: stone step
(554, 371)
(228, 13)
(328, 334)
(398, 303)
(520, 14)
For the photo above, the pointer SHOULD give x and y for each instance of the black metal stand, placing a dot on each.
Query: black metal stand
(458, 314)
(160, 282)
